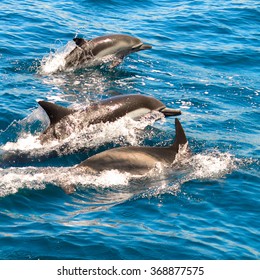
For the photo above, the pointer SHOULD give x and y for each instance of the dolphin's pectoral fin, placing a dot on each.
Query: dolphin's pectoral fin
(115, 62)
(79, 41)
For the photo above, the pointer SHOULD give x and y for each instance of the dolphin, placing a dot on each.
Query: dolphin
(110, 48)
(65, 121)
(136, 160)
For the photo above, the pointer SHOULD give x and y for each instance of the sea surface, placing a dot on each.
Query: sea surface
(205, 61)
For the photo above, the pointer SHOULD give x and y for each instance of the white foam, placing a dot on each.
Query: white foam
(55, 61)
(212, 165)
(26, 142)
(205, 166)
(123, 130)
(13, 179)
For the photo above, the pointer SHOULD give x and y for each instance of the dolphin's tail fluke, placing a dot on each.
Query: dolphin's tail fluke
(180, 138)
(170, 112)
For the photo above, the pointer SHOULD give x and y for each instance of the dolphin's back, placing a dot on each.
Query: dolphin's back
(133, 102)
(109, 48)
(136, 160)
(133, 106)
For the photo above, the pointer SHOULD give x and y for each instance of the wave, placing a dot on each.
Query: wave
(28, 147)
(203, 166)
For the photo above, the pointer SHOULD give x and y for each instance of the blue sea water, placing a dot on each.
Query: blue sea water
(205, 61)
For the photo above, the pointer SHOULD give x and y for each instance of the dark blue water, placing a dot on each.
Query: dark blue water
(205, 60)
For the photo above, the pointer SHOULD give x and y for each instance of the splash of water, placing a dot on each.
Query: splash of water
(210, 165)
(13, 179)
(55, 61)
(203, 166)
(122, 131)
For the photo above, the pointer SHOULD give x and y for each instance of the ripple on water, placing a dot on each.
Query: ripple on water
(205, 59)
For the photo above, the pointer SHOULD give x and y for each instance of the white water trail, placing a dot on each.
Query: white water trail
(13, 179)
(204, 166)
(122, 131)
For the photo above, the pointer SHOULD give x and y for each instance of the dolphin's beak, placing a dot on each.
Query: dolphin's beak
(170, 112)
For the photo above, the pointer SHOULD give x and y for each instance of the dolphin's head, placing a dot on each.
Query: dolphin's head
(127, 44)
(137, 45)
(151, 103)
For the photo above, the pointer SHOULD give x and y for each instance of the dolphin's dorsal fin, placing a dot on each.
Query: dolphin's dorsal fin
(79, 41)
(180, 138)
(55, 112)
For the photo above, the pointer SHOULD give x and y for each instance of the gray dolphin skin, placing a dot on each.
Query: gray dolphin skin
(111, 47)
(65, 121)
(136, 160)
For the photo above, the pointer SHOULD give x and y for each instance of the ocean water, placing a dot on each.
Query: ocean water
(205, 61)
